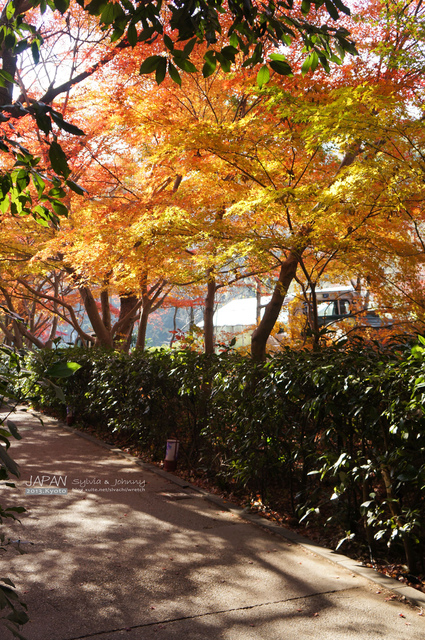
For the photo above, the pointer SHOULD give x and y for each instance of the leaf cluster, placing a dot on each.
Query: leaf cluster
(250, 29)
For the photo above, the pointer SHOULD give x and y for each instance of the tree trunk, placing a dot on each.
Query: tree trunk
(173, 334)
(312, 311)
(143, 325)
(258, 310)
(106, 309)
(123, 336)
(55, 322)
(52, 333)
(22, 331)
(260, 335)
(18, 342)
(8, 335)
(103, 336)
(209, 317)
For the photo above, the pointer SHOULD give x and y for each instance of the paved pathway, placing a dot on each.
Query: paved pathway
(128, 554)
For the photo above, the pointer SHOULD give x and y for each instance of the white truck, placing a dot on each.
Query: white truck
(338, 303)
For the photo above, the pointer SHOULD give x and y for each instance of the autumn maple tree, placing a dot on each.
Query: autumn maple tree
(208, 180)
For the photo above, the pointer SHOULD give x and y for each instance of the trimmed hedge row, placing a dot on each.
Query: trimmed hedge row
(337, 434)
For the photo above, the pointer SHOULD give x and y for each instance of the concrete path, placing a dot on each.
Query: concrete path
(122, 552)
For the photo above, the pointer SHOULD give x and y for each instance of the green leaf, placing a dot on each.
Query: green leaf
(10, 10)
(174, 74)
(59, 208)
(21, 46)
(66, 126)
(42, 215)
(35, 50)
(7, 462)
(76, 187)
(4, 205)
(41, 221)
(57, 192)
(117, 33)
(331, 9)
(281, 67)
(132, 34)
(43, 122)
(150, 64)
(188, 48)
(5, 77)
(207, 70)
(229, 52)
(310, 62)
(161, 70)
(14, 631)
(168, 42)
(20, 617)
(341, 6)
(111, 12)
(22, 180)
(39, 183)
(13, 429)
(61, 5)
(263, 76)
(58, 159)
(225, 63)
(146, 34)
(210, 56)
(277, 56)
(184, 64)
(210, 64)
(63, 369)
(7, 581)
(305, 7)
(10, 41)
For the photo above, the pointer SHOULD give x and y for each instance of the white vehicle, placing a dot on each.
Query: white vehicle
(237, 318)
(340, 303)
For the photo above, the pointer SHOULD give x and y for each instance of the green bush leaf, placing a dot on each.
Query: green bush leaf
(63, 369)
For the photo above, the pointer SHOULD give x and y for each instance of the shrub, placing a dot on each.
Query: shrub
(336, 433)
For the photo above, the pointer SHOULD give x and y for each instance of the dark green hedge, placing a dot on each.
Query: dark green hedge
(337, 434)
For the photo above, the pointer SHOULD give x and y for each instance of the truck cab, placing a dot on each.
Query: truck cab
(334, 304)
